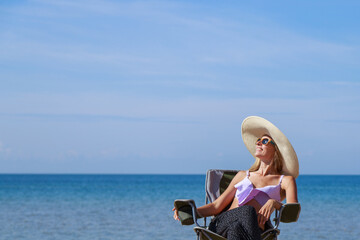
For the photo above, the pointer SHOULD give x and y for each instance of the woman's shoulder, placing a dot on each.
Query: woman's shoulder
(242, 173)
(288, 180)
(240, 176)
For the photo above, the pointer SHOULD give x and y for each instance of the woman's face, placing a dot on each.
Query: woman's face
(265, 151)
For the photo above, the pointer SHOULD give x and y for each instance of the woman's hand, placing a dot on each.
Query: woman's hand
(266, 211)
(176, 216)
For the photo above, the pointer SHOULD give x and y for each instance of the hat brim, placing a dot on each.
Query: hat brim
(254, 127)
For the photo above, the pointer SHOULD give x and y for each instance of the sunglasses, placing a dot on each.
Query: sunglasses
(265, 141)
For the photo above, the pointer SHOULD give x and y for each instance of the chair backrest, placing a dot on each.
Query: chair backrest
(216, 182)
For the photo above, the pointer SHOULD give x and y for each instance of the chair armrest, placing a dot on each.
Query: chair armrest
(290, 212)
(187, 211)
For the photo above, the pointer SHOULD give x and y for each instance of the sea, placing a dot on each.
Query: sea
(56, 206)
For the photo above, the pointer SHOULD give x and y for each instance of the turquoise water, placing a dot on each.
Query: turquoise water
(139, 207)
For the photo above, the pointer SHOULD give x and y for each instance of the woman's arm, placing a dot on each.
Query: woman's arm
(225, 198)
(288, 184)
(219, 204)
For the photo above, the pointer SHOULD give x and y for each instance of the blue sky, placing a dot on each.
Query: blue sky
(163, 86)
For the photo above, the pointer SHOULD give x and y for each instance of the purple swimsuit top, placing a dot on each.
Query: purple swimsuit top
(246, 191)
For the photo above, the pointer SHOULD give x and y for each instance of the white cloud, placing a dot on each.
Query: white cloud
(207, 40)
(192, 109)
(3, 149)
(346, 83)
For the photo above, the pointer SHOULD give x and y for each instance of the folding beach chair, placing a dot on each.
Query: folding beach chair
(216, 183)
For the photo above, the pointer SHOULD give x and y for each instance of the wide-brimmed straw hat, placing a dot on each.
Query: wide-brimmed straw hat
(254, 127)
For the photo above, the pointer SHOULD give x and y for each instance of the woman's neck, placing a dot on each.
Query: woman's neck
(266, 168)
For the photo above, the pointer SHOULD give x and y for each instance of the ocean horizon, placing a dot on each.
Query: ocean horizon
(138, 206)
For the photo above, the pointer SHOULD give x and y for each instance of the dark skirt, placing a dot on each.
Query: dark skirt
(237, 224)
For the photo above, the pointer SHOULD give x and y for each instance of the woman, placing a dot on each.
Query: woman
(253, 195)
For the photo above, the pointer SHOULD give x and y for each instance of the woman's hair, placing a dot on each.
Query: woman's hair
(277, 162)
